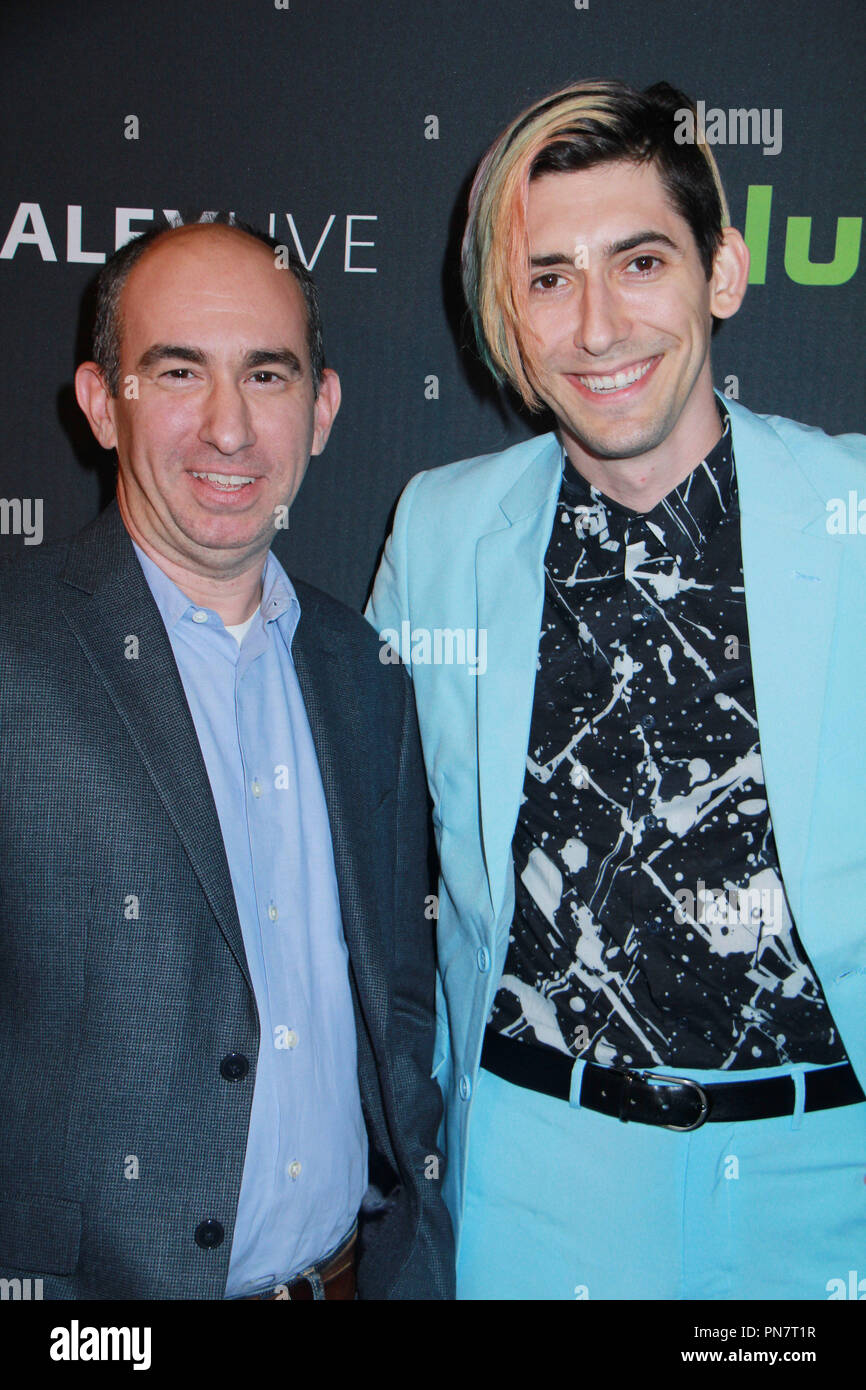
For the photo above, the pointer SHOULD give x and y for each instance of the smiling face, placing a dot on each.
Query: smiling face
(225, 419)
(621, 313)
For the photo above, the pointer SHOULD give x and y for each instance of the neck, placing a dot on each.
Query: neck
(235, 597)
(641, 482)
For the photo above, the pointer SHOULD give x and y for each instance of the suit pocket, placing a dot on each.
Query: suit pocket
(39, 1232)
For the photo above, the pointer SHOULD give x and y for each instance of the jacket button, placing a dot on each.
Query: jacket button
(234, 1067)
(465, 1087)
(209, 1234)
(483, 959)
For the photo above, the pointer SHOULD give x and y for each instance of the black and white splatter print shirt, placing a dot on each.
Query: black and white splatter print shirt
(651, 924)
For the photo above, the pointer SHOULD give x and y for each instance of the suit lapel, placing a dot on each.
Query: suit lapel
(106, 601)
(325, 675)
(509, 573)
(791, 571)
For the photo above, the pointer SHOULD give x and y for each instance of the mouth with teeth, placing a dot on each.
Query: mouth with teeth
(616, 383)
(225, 482)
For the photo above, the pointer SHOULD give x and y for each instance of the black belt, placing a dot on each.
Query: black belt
(674, 1102)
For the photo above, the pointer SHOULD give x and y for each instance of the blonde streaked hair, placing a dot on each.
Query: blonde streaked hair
(585, 124)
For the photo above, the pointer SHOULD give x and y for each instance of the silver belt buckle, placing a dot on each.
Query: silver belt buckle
(654, 1079)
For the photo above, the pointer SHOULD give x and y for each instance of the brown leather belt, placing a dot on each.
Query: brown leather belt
(331, 1278)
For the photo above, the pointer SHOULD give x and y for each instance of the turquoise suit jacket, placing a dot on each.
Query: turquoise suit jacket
(467, 552)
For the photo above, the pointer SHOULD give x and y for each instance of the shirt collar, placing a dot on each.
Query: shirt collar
(688, 513)
(279, 600)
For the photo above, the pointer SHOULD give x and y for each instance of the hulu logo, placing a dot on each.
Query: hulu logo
(798, 236)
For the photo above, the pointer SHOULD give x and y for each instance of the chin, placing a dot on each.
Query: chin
(223, 533)
(619, 444)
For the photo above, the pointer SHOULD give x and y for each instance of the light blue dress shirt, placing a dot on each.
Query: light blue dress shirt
(305, 1169)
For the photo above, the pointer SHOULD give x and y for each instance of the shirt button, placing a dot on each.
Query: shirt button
(273, 913)
(648, 721)
(483, 959)
(465, 1087)
(256, 787)
(294, 1170)
(291, 1038)
(200, 616)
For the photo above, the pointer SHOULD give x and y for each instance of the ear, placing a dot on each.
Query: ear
(730, 275)
(92, 394)
(325, 410)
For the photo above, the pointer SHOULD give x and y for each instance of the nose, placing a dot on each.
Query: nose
(604, 320)
(227, 423)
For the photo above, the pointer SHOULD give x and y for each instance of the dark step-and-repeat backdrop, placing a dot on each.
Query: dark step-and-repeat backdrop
(349, 128)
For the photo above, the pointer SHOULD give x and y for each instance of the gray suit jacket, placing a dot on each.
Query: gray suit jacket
(123, 978)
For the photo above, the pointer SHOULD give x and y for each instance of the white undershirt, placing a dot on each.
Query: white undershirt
(240, 630)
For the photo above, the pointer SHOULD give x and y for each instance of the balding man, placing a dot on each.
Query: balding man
(216, 984)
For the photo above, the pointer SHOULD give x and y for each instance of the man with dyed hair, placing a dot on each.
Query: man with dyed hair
(652, 963)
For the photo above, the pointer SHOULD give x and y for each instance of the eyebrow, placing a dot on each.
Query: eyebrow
(256, 357)
(614, 248)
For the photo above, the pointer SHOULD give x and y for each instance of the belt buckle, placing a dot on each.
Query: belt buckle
(652, 1078)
